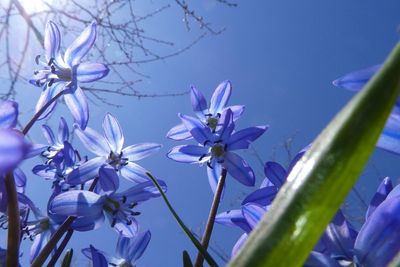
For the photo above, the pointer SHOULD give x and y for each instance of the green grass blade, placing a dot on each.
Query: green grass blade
(324, 176)
(185, 229)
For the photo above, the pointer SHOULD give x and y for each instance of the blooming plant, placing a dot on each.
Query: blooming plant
(282, 220)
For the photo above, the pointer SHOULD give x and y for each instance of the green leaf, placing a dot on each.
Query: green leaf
(66, 262)
(185, 229)
(187, 262)
(325, 175)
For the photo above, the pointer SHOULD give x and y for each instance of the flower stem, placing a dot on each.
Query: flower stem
(185, 229)
(13, 238)
(51, 244)
(40, 112)
(211, 217)
(60, 249)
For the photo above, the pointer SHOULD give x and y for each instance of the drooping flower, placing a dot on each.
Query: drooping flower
(91, 207)
(208, 115)
(355, 81)
(64, 73)
(258, 202)
(110, 153)
(216, 148)
(128, 251)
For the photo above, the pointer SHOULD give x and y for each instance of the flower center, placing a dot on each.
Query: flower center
(212, 122)
(217, 150)
(119, 210)
(116, 160)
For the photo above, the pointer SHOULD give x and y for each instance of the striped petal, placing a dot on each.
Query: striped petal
(81, 46)
(243, 138)
(113, 133)
(179, 133)
(13, 148)
(239, 169)
(47, 94)
(140, 151)
(354, 81)
(93, 141)
(197, 129)
(90, 72)
(77, 103)
(52, 39)
(189, 154)
(199, 103)
(134, 172)
(8, 114)
(87, 171)
(220, 97)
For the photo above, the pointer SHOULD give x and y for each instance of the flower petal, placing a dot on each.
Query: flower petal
(63, 131)
(237, 111)
(214, 175)
(189, 154)
(87, 171)
(84, 224)
(339, 237)
(47, 94)
(239, 169)
(275, 173)
(317, 259)
(38, 243)
(13, 148)
(8, 114)
(93, 141)
(378, 241)
(108, 179)
(140, 151)
(48, 134)
(98, 258)
(137, 246)
(77, 103)
(239, 244)
(78, 203)
(35, 150)
(199, 103)
(179, 133)
(142, 192)
(127, 230)
(243, 138)
(253, 213)
(381, 193)
(134, 172)
(113, 133)
(52, 40)
(220, 97)
(233, 218)
(263, 196)
(197, 129)
(81, 46)
(225, 125)
(390, 137)
(90, 72)
(354, 81)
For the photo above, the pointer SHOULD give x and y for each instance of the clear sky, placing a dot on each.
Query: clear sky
(281, 57)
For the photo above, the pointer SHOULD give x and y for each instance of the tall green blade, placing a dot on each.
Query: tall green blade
(324, 176)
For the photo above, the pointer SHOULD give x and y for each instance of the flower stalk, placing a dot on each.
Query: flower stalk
(211, 217)
(13, 239)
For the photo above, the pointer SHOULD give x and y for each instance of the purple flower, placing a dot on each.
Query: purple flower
(111, 155)
(65, 72)
(208, 115)
(13, 146)
(216, 148)
(128, 251)
(56, 142)
(390, 137)
(90, 207)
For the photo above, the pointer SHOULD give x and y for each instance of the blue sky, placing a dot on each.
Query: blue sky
(281, 57)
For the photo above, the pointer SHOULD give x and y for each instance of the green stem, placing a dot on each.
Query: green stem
(185, 229)
(211, 217)
(13, 239)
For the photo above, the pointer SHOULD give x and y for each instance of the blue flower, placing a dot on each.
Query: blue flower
(390, 137)
(111, 155)
(65, 72)
(90, 207)
(56, 142)
(257, 203)
(208, 115)
(13, 145)
(128, 251)
(216, 148)
(378, 240)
